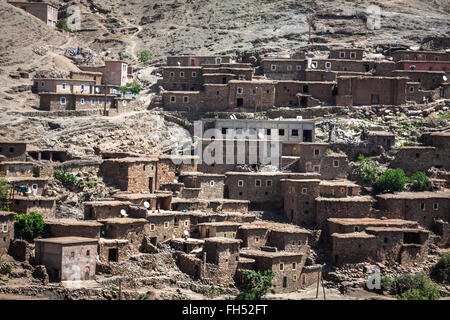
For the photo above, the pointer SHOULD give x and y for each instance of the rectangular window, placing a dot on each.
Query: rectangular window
(295, 132)
(64, 86)
(240, 90)
(316, 168)
(172, 99)
(273, 67)
(342, 54)
(327, 64)
(182, 74)
(240, 183)
(185, 99)
(336, 163)
(289, 68)
(281, 266)
(269, 183)
(268, 132)
(281, 132)
(88, 253)
(294, 266)
(258, 183)
(353, 55)
(5, 228)
(298, 67)
(436, 206)
(62, 100)
(194, 74)
(152, 227)
(316, 152)
(93, 102)
(304, 190)
(166, 225)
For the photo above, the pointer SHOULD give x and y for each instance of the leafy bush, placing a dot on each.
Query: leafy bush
(415, 287)
(441, 270)
(62, 24)
(257, 285)
(419, 182)
(4, 193)
(5, 268)
(386, 283)
(68, 179)
(366, 169)
(90, 184)
(29, 226)
(130, 87)
(144, 56)
(392, 180)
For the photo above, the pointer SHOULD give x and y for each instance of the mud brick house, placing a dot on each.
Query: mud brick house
(113, 250)
(305, 93)
(346, 53)
(129, 229)
(349, 225)
(202, 185)
(193, 60)
(51, 155)
(349, 207)
(130, 174)
(184, 78)
(262, 189)
(253, 235)
(422, 207)
(402, 55)
(223, 229)
(104, 209)
(279, 130)
(353, 91)
(428, 80)
(420, 158)
(17, 168)
(338, 188)
(86, 86)
(377, 244)
(38, 186)
(13, 150)
(287, 267)
(437, 139)
(228, 205)
(299, 196)
(6, 230)
(380, 138)
(161, 200)
(115, 72)
(67, 258)
(72, 228)
(289, 238)
(187, 245)
(424, 65)
(284, 69)
(169, 167)
(45, 206)
(42, 10)
(346, 67)
(221, 256)
(51, 101)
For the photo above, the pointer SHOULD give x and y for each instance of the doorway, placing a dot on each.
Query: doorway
(86, 273)
(239, 102)
(284, 282)
(375, 99)
(112, 255)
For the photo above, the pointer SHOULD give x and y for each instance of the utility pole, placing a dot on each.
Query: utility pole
(104, 109)
(310, 20)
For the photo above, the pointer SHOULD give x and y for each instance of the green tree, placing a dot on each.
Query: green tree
(258, 283)
(62, 24)
(4, 193)
(130, 87)
(415, 287)
(392, 180)
(29, 226)
(366, 169)
(441, 270)
(419, 182)
(144, 56)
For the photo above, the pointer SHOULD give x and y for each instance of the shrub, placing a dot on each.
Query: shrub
(130, 87)
(366, 169)
(441, 270)
(90, 184)
(392, 180)
(258, 283)
(144, 56)
(415, 287)
(62, 24)
(29, 226)
(419, 182)
(385, 283)
(5, 268)
(68, 179)
(4, 193)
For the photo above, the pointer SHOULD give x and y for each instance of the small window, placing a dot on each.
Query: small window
(281, 266)
(42, 84)
(82, 86)
(268, 132)
(256, 239)
(298, 67)
(240, 90)
(62, 100)
(186, 223)
(304, 190)
(411, 89)
(72, 254)
(5, 228)
(436, 206)
(422, 205)
(82, 100)
(273, 67)
(100, 102)
(240, 183)
(173, 99)
(64, 86)
(211, 183)
(342, 54)
(124, 102)
(299, 242)
(281, 132)
(342, 189)
(316, 168)
(353, 55)
(289, 68)
(258, 182)
(294, 277)
(166, 225)
(93, 102)
(185, 99)
(172, 74)
(316, 152)
(295, 132)
(294, 266)
(88, 253)
(152, 227)
(241, 77)
(336, 163)
(182, 74)
(327, 64)
(194, 74)
(269, 183)
(218, 60)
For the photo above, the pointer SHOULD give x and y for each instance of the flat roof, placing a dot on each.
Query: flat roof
(133, 159)
(380, 133)
(347, 199)
(7, 213)
(393, 229)
(270, 254)
(353, 235)
(220, 224)
(67, 240)
(344, 182)
(222, 240)
(122, 220)
(275, 173)
(73, 222)
(106, 203)
(416, 195)
(138, 196)
(357, 221)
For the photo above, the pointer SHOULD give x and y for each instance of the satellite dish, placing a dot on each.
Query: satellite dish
(444, 77)
(299, 117)
(186, 233)
(146, 204)
(123, 213)
(97, 89)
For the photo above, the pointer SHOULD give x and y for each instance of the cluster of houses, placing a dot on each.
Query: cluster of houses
(345, 78)
(205, 212)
